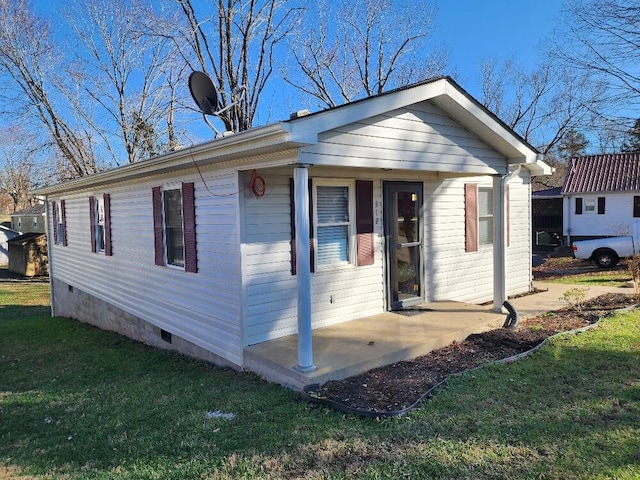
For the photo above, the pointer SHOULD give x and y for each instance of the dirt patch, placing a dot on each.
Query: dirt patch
(397, 386)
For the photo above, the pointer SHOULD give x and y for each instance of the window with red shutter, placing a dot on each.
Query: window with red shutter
(174, 225)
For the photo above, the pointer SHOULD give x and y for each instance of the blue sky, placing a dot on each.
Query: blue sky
(477, 29)
(470, 30)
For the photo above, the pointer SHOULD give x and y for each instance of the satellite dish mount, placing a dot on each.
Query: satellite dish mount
(205, 95)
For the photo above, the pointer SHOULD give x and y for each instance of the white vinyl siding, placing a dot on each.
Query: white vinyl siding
(420, 137)
(450, 274)
(616, 220)
(337, 294)
(204, 309)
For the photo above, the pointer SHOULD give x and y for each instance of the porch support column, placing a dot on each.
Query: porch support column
(303, 268)
(500, 238)
(499, 243)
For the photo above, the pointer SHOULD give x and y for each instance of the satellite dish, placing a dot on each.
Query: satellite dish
(204, 93)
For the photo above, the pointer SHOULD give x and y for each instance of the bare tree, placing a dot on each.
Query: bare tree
(602, 38)
(123, 72)
(356, 49)
(234, 42)
(29, 62)
(542, 104)
(18, 162)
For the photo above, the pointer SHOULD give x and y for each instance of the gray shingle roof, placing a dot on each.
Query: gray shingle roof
(603, 173)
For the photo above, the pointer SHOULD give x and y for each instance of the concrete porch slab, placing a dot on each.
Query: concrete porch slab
(353, 347)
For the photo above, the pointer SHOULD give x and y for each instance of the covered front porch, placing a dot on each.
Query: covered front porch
(353, 347)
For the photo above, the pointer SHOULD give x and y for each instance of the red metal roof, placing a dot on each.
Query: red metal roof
(603, 173)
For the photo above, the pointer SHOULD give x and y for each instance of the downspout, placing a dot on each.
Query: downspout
(49, 254)
(500, 243)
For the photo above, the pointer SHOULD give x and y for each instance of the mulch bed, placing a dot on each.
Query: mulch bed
(397, 386)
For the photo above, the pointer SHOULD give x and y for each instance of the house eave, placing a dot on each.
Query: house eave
(229, 150)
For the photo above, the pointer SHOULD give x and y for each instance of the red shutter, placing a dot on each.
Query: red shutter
(312, 241)
(92, 222)
(189, 227)
(364, 222)
(63, 214)
(578, 206)
(54, 215)
(471, 217)
(107, 225)
(158, 237)
(601, 201)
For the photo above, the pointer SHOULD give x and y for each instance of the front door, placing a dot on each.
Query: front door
(403, 235)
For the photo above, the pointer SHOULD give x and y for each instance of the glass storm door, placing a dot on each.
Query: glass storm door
(403, 234)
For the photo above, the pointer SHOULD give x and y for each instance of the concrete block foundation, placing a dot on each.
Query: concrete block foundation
(72, 302)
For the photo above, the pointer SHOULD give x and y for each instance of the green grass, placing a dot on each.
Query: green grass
(606, 279)
(80, 403)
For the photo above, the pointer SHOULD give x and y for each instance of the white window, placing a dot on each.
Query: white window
(59, 224)
(98, 206)
(589, 205)
(334, 223)
(485, 216)
(35, 222)
(173, 235)
(19, 223)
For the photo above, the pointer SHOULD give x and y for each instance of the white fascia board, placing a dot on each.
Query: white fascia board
(305, 130)
(478, 120)
(539, 168)
(228, 150)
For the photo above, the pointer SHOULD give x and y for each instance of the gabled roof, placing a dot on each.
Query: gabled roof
(33, 210)
(237, 149)
(618, 172)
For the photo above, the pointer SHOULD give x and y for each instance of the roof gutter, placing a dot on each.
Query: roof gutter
(271, 138)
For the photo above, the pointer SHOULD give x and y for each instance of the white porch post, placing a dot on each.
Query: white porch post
(499, 243)
(303, 268)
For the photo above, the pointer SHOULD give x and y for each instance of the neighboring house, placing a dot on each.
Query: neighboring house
(414, 195)
(30, 219)
(601, 196)
(6, 234)
(28, 254)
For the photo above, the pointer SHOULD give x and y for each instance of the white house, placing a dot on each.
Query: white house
(414, 195)
(601, 196)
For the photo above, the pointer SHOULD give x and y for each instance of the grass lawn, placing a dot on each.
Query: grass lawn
(80, 403)
(583, 272)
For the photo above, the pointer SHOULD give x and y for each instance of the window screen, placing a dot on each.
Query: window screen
(174, 240)
(485, 216)
(332, 230)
